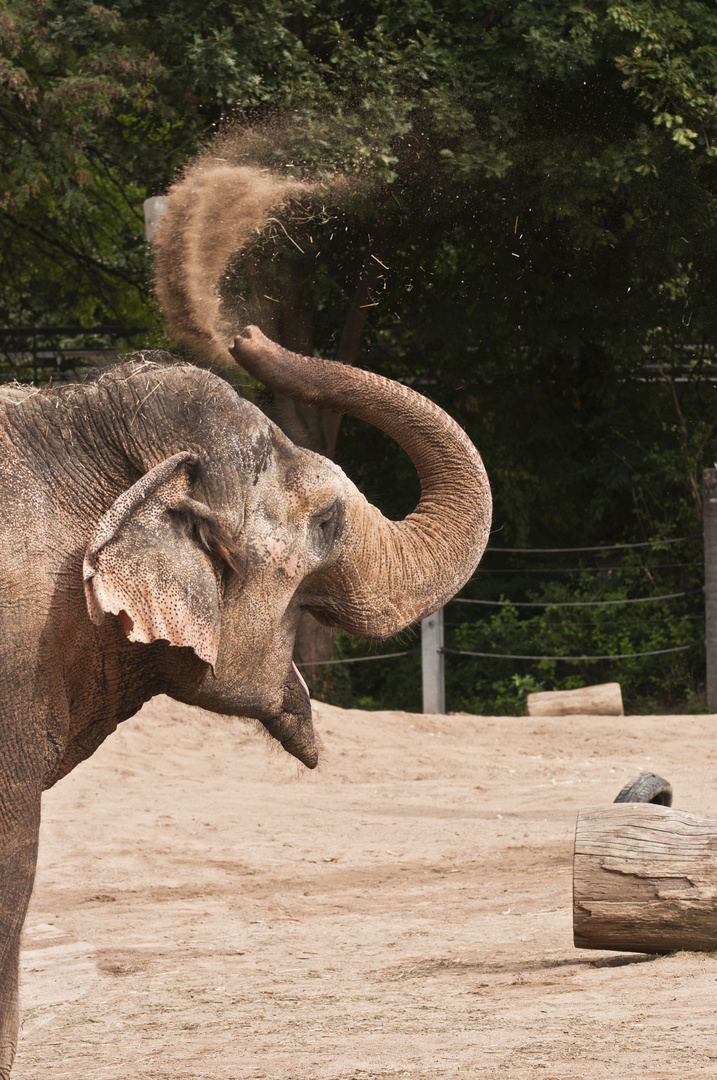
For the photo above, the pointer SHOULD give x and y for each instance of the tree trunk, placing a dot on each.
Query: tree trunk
(644, 879)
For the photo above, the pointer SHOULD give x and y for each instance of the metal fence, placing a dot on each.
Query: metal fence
(60, 353)
(433, 651)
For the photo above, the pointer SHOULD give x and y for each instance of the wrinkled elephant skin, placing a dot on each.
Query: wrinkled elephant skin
(160, 535)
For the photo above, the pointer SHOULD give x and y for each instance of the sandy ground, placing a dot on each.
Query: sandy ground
(203, 911)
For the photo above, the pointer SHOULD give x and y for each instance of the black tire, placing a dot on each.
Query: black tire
(647, 787)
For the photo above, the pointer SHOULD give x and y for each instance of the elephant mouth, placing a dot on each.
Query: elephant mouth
(293, 728)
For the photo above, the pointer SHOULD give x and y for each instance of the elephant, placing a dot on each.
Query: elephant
(161, 535)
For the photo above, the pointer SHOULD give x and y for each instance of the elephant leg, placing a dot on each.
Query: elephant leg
(21, 774)
(18, 853)
(9, 1009)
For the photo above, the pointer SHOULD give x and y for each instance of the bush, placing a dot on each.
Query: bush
(603, 627)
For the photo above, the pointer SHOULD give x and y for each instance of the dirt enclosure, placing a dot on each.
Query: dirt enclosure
(202, 911)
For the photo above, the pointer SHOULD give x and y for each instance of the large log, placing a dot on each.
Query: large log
(605, 699)
(644, 879)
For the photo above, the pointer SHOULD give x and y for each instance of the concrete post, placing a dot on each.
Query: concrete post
(710, 532)
(433, 663)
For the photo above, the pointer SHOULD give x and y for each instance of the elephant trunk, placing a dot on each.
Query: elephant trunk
(389, 574)
(293, 727)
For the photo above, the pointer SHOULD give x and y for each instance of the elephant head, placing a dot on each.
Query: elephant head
(386, 575)
(223, 542)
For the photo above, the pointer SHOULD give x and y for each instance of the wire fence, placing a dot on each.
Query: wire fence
(546, 604)
(576, 659)
(360, 659)
(434, 651)
(575, 603)
(61, 353)
(598, 547)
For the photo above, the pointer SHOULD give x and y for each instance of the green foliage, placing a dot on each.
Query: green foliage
(99, 105)
(603, 627)
(609, 628)
(619, 476)
(375, 683)
(591, 126)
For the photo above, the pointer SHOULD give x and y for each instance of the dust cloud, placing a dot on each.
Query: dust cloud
(224, 204)
(213, 212)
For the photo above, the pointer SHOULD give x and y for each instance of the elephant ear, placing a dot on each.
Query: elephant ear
(142, 564)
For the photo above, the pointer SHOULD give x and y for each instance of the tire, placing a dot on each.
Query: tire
(647, 787)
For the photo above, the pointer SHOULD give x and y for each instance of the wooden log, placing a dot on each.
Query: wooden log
(602, 700)
(644, 879)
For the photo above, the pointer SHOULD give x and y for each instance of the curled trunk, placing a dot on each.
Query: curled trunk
(388, 574)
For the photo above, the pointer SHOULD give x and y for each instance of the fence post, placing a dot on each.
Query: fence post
(710, 534)
(433, 663)
(154, 208)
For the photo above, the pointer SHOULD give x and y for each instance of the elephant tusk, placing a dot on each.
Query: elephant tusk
(301, 679)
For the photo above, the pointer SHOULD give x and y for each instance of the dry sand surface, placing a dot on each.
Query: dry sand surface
(203, 911)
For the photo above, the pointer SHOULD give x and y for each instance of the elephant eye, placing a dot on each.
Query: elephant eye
(325, 526)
